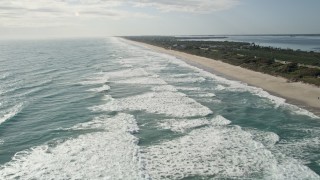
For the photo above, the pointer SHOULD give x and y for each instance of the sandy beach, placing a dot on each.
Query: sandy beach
(300, 94)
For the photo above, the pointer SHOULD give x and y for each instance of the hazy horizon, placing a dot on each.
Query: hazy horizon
(25, 19)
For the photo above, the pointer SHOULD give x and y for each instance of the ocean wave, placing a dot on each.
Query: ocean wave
(30, 88)
(305, 148)
(111, 154)
(298, 111)
(93, 81)
(206, 95)
(126, 73)
(169, 103)
(4, 76)
(220, 87)
(185, 79)
(182, 125)
(100, 89)
(10, 113)
(222, 152)
(185, 75)
(189, 88)
(164, 88)
(151, 80)
(268, 139)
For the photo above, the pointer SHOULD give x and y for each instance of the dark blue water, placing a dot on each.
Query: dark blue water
(105, 109)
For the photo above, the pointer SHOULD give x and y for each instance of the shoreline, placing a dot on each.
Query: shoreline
(302, 95)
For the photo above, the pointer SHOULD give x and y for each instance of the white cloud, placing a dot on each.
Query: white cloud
(44, 12)
(194, 6)
(38, 13)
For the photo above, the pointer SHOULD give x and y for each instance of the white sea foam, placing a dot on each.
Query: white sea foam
(206, 95)
(164, 88)
(220, 121)
(303, 149)
(169, 103)
(189, 88)
(9, 113)
(184, 75)
(108, 98)
(291, 169)
(134, 76)
(222, 152)
(220, 87)
(104, 77)
(299, 111)
(268, 139)
(135, 72)
(100, 89)
(185, 79)
(97, 80)
(181, 125)
(149, 63)
(155, 66)
(111, 154)
(143, 80)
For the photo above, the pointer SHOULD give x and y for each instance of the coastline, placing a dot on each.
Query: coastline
(303, 95)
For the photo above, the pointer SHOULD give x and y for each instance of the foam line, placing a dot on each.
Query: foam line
(299, 111)
(206, 95)
(173, 104)
(143, 80)
(135, 72)
(184, 75)
(10, 113)
(93, 81)
(100, 89)
(220, 87)
(189, 88)
(185, 79)
(182, 125)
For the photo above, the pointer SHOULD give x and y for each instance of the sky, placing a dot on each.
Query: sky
(98, 18)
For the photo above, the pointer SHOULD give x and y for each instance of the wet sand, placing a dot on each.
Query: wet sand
(297, 93)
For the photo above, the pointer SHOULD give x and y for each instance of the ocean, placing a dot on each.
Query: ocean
(294, 42)
(107, 109)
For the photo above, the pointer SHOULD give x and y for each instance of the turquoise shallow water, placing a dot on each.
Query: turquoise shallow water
(105, 109)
